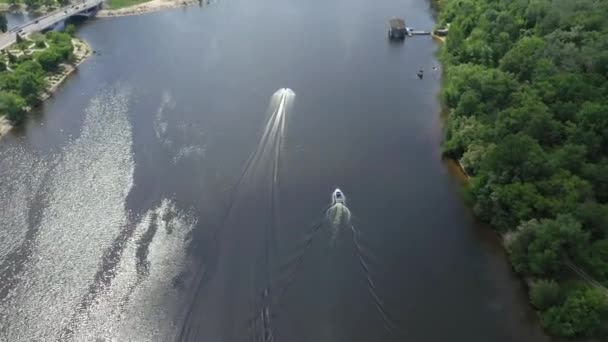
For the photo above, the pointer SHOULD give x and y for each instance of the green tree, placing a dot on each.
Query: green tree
(594, 217)
(592, 119)
(522, 58)
(570, 157)
(581, 314)
(597, 174)
(539, 246)
(27, 80)
(563, 192)
(33, 4)
(517, 157)
(545, 294)
(461, 133)
(596, 259)
(62, 43)
(526, 84)
(12, 106)
(70, 30)
(528, 114)
(491, 86)
(473, 157)
(49, 59)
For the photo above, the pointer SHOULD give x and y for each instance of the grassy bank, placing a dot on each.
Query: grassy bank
(116, 4)
(527, 87)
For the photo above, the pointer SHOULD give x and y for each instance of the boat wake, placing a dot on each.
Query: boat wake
(256, 192)
(338, 215)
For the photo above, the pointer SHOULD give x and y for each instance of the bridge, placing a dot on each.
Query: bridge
(86, 8)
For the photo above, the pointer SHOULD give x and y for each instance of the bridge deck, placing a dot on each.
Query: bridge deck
(47, 20)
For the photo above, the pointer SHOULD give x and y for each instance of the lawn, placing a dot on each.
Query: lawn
(115, 4)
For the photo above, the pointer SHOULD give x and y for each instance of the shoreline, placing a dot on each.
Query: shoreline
(145, 7)
(82, 51)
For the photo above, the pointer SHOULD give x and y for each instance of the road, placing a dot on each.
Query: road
(46, 21)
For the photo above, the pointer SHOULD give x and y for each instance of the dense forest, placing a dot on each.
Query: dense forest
(526, 83)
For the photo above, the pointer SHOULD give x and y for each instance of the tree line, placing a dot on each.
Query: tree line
(526, 83)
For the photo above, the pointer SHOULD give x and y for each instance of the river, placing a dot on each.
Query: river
(171, 191)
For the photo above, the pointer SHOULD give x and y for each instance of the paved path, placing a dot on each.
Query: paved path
(47, 21)
(585, 276)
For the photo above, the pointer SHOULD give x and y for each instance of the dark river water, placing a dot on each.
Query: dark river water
(171, 191)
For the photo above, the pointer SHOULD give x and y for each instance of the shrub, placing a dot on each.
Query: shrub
(49, 59)
(580, 315)
(545, 294)
(12, 106)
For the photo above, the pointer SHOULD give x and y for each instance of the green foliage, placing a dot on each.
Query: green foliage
(596, 259)
(517, 157)
(11, 57)
(522, 58)
(461, 133)
(594, 217)
(23, 86)
(70, 30)
(49, 59)
(491, 88)
(580, 315)
(527, 87)
(545, 294)
(62, 44)
(33, 4)
(115, 4)
(27, 80)
(12, 106)
(3, 23)
(540, 246)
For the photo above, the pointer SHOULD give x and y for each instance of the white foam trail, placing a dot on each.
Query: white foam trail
(86, 210)
(339, 216)
(272, 139)
(280, 105)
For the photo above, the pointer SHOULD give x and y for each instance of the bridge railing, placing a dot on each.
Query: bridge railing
(44, 16)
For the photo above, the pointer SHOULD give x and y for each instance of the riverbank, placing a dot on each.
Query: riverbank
(533, 156)
(81, 52)
(145, 7)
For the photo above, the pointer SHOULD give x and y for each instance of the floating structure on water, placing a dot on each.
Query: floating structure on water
(398, 30)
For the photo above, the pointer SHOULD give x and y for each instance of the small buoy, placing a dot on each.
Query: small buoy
(420, 74)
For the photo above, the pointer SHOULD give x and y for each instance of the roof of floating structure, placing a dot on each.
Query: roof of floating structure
(398, 24)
